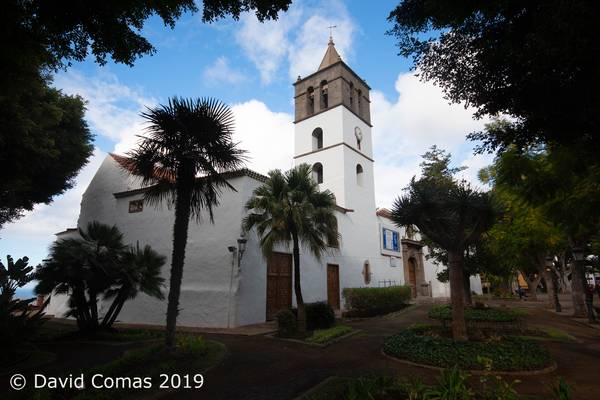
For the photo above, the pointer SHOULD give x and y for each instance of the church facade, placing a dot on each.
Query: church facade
(226, 281)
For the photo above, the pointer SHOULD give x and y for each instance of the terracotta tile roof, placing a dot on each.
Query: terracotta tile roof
(384, 212)
(125, 163)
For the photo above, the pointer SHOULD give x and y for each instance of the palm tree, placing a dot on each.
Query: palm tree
(289, 208)
(180, 160)
(453, 216)
(139, 272)
(83, 269)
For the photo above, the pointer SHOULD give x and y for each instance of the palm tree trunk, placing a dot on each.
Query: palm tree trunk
(93, 309)
(297, 286)
(110, 311)
(180, 232)
(459, 328)
(114, 308)
(117, 311)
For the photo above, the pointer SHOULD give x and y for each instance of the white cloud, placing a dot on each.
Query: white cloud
(112, 109)
(267, 136)
(221, 72)
(406, 128)
(298, 38)
(266, 44)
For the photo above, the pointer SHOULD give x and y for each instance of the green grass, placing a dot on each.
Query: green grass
(506, 354)
(496, 314)
(557, 334)
(551, 334)
(323, 336)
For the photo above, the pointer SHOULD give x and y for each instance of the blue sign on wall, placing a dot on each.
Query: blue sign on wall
(391, 240)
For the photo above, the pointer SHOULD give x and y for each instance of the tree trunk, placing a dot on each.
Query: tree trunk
(459, 328)
(110, 311)
(93, 309)
(298, 287)
(467, 289)
(577, 289)
(180, 232)
(532, 285)
(115, 308)
(117, 311)
(552, 285)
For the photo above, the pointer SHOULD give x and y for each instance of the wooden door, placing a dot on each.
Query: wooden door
(412, 276)
(279, 284)
(333, 286)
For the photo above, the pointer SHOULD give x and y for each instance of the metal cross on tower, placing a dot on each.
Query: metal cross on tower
(330, 27)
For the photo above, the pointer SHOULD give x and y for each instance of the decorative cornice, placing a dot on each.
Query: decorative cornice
(332, 146)
(331, 108)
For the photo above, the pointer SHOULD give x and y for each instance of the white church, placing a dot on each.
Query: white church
(226, 281)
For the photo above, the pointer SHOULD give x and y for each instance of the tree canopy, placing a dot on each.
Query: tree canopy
(68, 31)
(44, 143)
(537, 61)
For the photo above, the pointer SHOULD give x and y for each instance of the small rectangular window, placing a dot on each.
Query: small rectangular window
(136, 206)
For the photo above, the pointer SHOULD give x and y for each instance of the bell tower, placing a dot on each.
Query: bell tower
(333, 131)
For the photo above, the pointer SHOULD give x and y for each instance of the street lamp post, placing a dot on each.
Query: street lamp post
(236, 254)
(554, 282)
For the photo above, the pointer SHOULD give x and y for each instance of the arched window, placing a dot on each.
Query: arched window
(310, 100)
(359, 101)
(351, 95)
(317, 170)
(324, 100)
(359, 175)
(317, 139)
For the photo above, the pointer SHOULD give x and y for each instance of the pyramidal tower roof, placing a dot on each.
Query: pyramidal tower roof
(331, 55)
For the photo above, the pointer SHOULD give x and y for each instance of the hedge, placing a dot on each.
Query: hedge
(369, 302)
(507, 354)
(444, 312)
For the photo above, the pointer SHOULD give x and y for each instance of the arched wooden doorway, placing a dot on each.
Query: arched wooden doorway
(412, 275)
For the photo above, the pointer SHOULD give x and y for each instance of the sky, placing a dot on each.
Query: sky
(251, 66)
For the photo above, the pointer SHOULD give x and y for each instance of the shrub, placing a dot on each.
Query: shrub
(444, 312)
(191, 344)
(18, 324)
(286, 323)
(369, 302)
(507, 354)
(319, 315)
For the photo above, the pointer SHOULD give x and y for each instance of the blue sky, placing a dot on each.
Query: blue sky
(252, 66)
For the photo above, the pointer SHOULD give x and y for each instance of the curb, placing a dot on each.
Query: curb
(543, 371)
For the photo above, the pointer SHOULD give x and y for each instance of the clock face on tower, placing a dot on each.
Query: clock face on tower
(358, 133)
